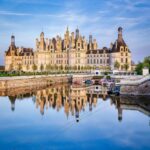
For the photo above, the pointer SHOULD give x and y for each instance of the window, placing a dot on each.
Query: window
(107, 61)
(122, 60)
(121, 48)
(100, 61)
(126, 60)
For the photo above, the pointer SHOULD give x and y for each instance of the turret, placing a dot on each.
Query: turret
(94, 44)
(42, 42)
(90, 39)
(66, 35)
(37, 43)
(77, 33)
(90, 42)
(42, 35)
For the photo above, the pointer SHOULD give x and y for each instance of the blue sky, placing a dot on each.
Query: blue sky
(101, 18)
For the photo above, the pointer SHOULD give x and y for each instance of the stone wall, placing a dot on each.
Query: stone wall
(141, 89)
(80, 78)
(15, 82)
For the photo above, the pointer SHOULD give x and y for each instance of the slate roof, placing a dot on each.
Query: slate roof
(99, 51)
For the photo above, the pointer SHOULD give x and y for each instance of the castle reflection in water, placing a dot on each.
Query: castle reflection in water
(74, 99)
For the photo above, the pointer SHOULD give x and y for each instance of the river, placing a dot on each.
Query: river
(73, 117)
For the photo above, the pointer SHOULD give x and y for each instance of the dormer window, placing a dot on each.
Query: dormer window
(121, 48)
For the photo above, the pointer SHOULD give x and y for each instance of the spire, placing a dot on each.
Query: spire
(42, 34)
(120, 33)
(13, 40)
(67, 33)
(67, 29)
(77, 33)
(90, 38)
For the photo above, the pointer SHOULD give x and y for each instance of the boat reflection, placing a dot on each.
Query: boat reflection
(74, 99)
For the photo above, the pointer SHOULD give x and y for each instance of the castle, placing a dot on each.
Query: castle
(73, 52)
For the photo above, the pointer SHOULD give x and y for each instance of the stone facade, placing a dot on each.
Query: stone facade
(73, 52)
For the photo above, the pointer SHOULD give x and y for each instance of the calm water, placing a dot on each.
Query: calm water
(73, 117)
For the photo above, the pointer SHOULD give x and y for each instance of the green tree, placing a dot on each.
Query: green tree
(27, 67)
(126, 66)
(19, 68)
(82, 68)
(66, 67)
(139, 68)
(141, 65)
(48, 67)
(61, 67)
(41, 67)
(11, 67)
(117, 65)
(146, 62)
(79, 68)
(34, 67)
